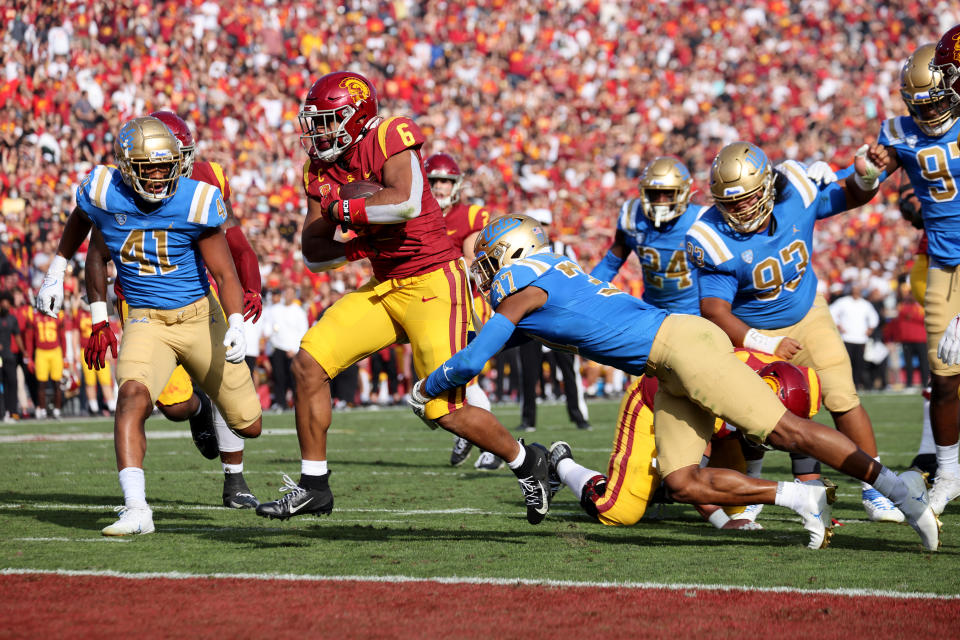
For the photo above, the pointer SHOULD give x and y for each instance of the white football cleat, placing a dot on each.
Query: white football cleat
(750, 512)
(879, 508)
(916, 507)
(133, 521)
(816, 513)
(945, 488)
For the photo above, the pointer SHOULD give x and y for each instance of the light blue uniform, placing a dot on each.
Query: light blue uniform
(766, 276)
(669, 279)
(158, 264)
(933, 165)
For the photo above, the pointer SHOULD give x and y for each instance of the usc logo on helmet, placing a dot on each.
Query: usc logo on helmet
(356, 87)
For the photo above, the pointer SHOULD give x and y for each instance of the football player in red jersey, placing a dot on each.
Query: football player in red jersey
(420, 289)
(48, 356)
(621, 496)
(180, 399)
(464, 223)
(83, 324)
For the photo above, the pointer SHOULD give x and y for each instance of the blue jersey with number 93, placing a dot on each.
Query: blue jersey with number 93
(158, 264)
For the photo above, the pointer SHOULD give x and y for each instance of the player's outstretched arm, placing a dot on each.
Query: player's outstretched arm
(720, 313)
(50, 295)
(610, 264)
(216, 254)
(872, 164)
(95, 269)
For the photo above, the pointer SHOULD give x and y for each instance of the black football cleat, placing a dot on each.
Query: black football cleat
(559, 450)
(533, 477)
(202, 429)
(236, 493)
(461, 450)
(298, 501)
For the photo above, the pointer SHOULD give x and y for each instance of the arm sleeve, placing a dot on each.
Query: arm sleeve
(245, 260)
(468, 362)
(608, 267)
(717, 284)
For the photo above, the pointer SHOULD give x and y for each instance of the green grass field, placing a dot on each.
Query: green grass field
(401, 510)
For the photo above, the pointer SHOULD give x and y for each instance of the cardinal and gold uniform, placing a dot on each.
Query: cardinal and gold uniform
(50, 347)
(420, 288)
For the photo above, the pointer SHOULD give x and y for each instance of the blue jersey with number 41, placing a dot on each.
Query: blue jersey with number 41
(582, 314)
(158, 263)
(765, 276)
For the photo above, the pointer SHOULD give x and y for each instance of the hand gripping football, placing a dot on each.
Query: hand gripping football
(359, 189)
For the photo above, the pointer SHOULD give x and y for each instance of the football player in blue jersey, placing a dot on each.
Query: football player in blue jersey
(540, 295)
(162, 231)
(654, 227)
(752, 250)
(925, 145)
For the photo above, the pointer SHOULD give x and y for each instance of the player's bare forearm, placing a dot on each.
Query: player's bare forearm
(74, 233)
(95, 270)
(720, 313)
(317, 238)
(877, 157)
(216, 254)
(619, 247)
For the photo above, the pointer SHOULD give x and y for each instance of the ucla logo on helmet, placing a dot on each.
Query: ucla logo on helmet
(501, 226)
(125, 137)
(756, 157)
(357, 88)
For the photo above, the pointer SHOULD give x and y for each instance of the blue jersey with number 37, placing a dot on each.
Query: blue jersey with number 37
(766, 275)
(582, 314)
(158, 263)
(933, 165)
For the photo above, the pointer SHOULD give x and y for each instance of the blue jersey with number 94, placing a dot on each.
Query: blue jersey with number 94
(158, 264)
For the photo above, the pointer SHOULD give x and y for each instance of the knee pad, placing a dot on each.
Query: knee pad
(803, 464)
(593, 491)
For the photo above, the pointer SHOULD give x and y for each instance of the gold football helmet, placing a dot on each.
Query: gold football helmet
(664, 190)
(918, 84)
(149, 158)
(504, 241)
(741, 183)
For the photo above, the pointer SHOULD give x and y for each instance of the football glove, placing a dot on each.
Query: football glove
(871, 177)
(252, 305)
(101, 339)
(235, 340)
(50, 296)
(821, 172)
(949, 348)
(418, 402)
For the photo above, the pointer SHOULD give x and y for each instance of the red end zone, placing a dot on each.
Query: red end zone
(55, 606)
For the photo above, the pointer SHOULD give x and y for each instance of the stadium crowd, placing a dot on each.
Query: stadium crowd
(546, 105)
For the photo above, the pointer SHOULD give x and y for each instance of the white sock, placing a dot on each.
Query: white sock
(866, 485)
(313, 467)
(947, 460)
(889, 484)
(476, 397)
(519, 460)
(112, 405)
(754, 468)
(133, 485)
(94, 405)
(927, 444)
(790, 495)
(574, 475)
(227, 440)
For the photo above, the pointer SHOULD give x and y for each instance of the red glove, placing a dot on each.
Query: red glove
(101, 337)
(252, 305)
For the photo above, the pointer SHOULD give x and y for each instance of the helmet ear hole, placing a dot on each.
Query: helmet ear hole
(517, 254)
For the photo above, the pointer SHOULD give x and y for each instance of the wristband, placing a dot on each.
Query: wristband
(863, 184)
(718, 518)
(357, 249)
(98, 312)
(759, 342)
(58, 266)
(354, 211)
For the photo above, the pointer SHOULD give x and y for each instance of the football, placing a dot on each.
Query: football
(359, 189)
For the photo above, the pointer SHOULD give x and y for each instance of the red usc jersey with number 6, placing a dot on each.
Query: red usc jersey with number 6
(425, 244)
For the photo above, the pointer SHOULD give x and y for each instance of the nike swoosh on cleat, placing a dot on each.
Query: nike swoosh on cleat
(301, 506)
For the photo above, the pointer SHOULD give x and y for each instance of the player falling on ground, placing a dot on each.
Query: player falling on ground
(162, 230)
(181, 399)
(420, 290)
(622, 495)
(925, 145)
(753, 249)
(537, 294)
(464, 222)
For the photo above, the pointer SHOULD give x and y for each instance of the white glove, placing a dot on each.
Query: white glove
(235, 341)
(418, 402)
(949, 348)
(50, 296)
(821, 173)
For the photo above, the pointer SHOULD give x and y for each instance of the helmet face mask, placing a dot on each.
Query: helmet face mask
(181, 131)
(742, 186)
(929, 108)
(336, 114)
(442, 166)
(149, 159)
(504, 241)
(665, 190)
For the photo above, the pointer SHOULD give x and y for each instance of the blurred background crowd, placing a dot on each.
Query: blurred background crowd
(546, 104)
